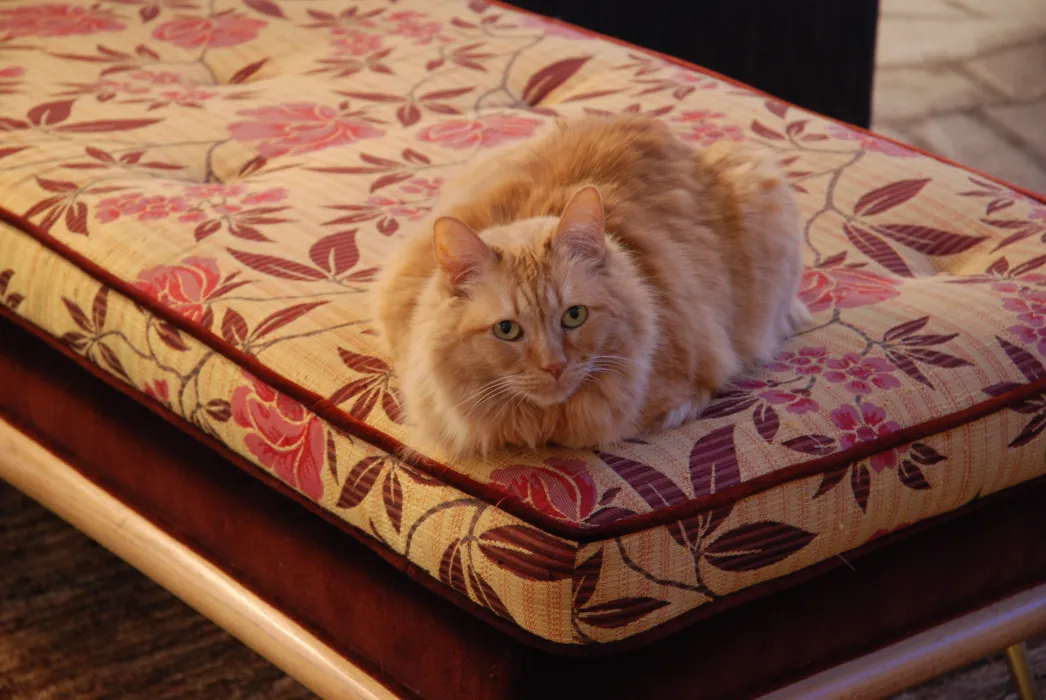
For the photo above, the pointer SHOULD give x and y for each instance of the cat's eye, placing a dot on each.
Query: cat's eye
(574, 316)
(508, 330)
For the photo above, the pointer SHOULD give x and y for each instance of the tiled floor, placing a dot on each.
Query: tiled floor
(967, 79)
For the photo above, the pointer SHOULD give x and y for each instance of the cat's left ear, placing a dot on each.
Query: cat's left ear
(460, 253)
(581, 228)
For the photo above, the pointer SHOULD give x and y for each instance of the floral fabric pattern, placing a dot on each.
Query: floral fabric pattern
(212, 32)
(56, 20)
(184, 288)
(299, 128)
(200, 214)
(282, 435)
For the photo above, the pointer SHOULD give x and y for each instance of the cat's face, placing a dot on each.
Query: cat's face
(530, 315)
(536, 327)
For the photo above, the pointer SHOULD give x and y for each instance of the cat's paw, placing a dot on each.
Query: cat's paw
(686, 411)
(799, 316)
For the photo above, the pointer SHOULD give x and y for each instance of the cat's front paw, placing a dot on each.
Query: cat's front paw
(686, 411)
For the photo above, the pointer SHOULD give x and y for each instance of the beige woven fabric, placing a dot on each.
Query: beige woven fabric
(203, 188)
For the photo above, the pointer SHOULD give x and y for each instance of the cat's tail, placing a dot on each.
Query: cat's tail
(751, 171)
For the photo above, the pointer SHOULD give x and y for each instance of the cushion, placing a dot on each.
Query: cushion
(197, 199)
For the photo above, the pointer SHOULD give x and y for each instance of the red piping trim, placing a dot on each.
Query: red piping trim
(324, 409)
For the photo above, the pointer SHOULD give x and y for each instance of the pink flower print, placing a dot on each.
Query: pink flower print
(356, 43)
(409, 25)
(704, 127)
(160, 207)
(806, 361)
(845, 288)
(797, 402)
(140, 206)
(422, 186)
(1031, 336)
(11, 72)
(1030, 306)
(1038, 212)
(184, 288)
(395, 207)
(862, 375)
(275, 194)
(212, 32)
(282, 435)
(483, 131)
(108, 89)
(109, 209)
(227, 209)
(869, 142)
(56, 20)
(209, 191)
(298, 128)
(188, 97)
(156, 77)
(690, 77)
(867, 425)
(193, 217)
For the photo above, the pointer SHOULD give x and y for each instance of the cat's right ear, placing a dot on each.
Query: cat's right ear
(460, 253)
(581, 228)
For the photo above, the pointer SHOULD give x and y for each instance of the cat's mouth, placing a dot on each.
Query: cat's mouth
(553, 393)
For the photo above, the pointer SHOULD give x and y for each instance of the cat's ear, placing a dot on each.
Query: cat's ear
(581, 228)
(460, 253)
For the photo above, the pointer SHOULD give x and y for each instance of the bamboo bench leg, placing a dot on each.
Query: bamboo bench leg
(1020, 669)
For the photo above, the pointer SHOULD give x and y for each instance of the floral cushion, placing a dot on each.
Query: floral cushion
(198, 195)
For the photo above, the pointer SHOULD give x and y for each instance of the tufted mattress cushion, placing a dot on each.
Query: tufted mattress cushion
(198, 194)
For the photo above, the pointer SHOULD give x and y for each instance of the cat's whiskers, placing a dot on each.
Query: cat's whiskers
(484, 389)
(527, 382)
(489, 396)
(615, 364)
(598, 381)
(615, 359)
(489, 386)
(503, 387)
(609, 362)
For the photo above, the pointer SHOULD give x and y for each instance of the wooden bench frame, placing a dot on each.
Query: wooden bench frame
(56, 485)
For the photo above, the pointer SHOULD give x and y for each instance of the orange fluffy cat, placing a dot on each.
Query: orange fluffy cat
(593, 285)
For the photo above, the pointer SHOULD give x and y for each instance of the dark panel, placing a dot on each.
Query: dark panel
(818, 54)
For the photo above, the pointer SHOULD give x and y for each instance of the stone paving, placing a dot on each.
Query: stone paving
(966, 79)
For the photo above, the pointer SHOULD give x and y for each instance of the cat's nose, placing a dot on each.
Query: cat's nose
(555, 369)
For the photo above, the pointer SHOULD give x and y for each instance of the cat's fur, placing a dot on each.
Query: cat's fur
(692, 275)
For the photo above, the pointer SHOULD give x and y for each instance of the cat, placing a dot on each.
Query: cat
(597, 283)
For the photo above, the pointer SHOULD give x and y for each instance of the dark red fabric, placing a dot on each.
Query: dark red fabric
(373, 614)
